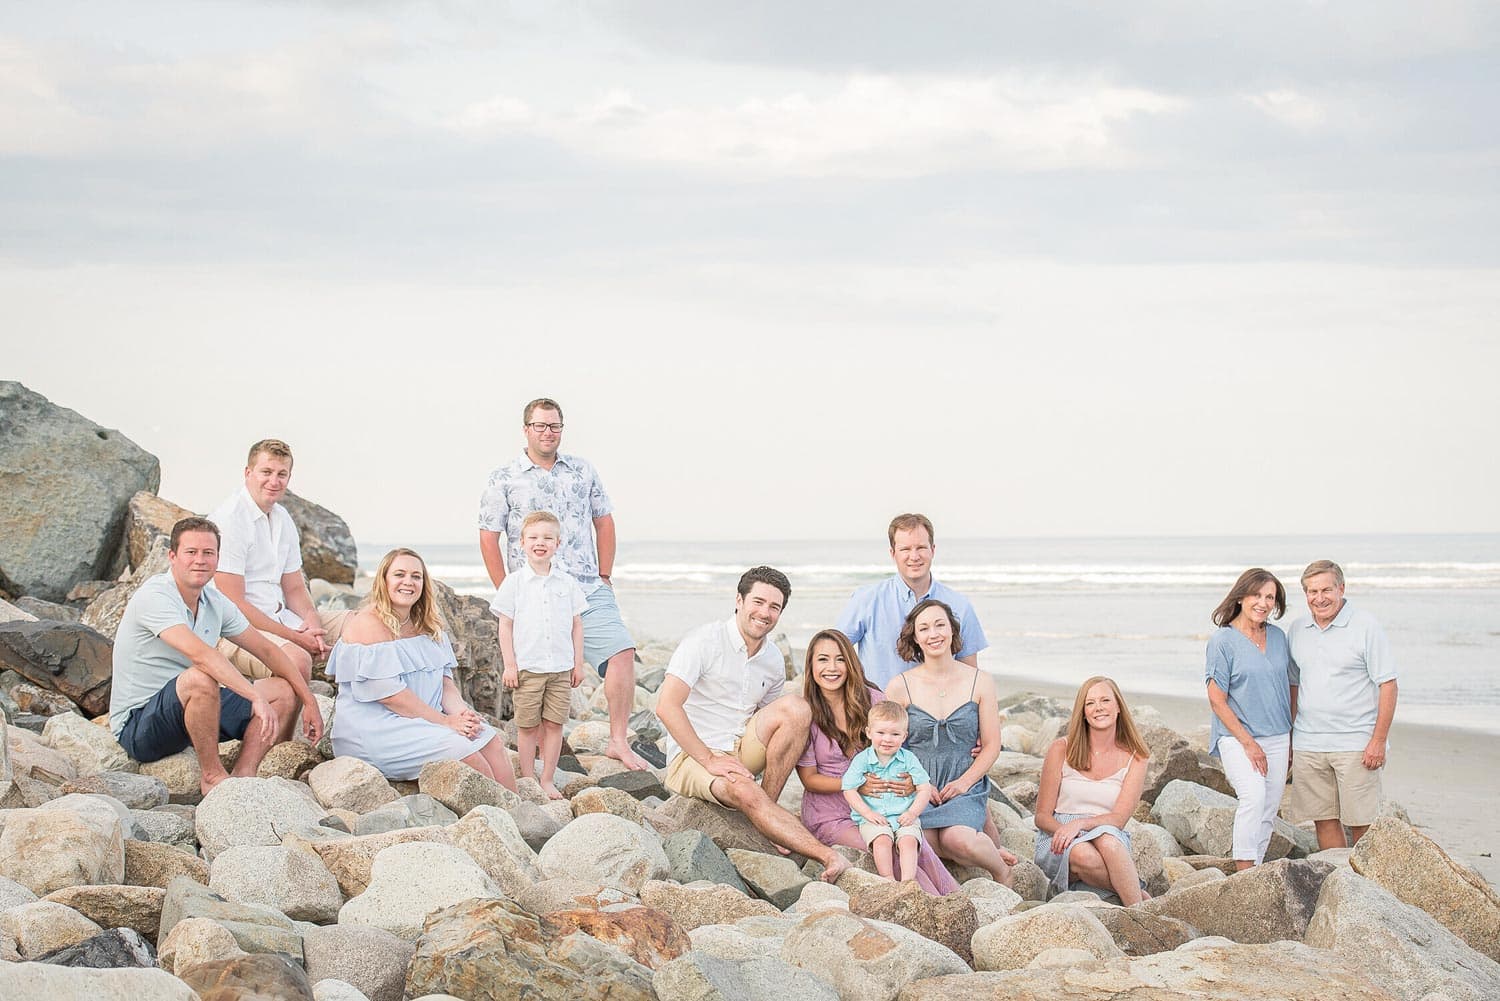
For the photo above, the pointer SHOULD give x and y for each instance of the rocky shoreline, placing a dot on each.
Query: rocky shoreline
(320, 879)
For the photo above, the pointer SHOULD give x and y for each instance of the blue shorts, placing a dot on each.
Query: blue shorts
(157, 729)
(604, 634)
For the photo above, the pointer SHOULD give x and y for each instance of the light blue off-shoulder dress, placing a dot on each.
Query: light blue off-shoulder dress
(363, 728)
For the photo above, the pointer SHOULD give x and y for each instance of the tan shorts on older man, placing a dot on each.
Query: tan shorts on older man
(687, 777)
(250, 666)
(1335, 785)
(542, 695)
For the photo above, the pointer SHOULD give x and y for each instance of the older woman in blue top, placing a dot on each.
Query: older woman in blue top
(1251, 696)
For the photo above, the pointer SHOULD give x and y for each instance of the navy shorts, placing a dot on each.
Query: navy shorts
(157, 729)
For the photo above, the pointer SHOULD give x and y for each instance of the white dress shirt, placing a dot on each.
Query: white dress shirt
(542, 608)
(259, 546)
(725, 684)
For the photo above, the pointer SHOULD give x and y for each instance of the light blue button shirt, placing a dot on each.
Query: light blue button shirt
(887, 804)
(873, 617)
(1256, 683)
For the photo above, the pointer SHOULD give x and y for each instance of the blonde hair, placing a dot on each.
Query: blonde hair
(1079, 734)
(274, 447)
(536, 516)
(424, 613)
(1323, 566)
(886, 712)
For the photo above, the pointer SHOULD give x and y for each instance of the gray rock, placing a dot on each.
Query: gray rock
(337, 990)
(371, 959)
(416, 810)
(91, 748)
(535, 824)
(862, 958)
(1268, 903)
(1013, 942)
(1400, 947)
(255, 928)
(699, 977)
(39, 608)
(770, 877)
(116, 948)
(65, 657)
(135, 907)
(72, 841)
(641, 784)
(606, 848)
(165, 828)
(64, 485)
(290, 880)
(105, 611)
(138, 792)
(410, 881)
(460, 788)
(62, 983)
(1202, 821)
(44, 926)
(476, 647)
(693, 855)
(253, 811)
(328, 550)
(348, 783)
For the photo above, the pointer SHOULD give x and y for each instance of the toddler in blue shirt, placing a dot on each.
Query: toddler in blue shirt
(887, 820)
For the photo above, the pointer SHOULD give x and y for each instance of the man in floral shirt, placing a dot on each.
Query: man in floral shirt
(543, 479)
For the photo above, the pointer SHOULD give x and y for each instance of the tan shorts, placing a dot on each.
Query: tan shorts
(872, 831)
(687, 777)
(1328, 785)
(250, 666)
(542, 695)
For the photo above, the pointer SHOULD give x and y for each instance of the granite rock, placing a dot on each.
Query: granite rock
(349, 783)
(606, 848)
(410, 881)
(135, 907)
(692, 855)
(1268, 903)
(371, 959)
(698, 904)
(1013, 942)
(460, 788)
(253, 811)
(290, 880)
(950, 921)
(699, 977)
(63, 983)
(43, 926)
(153, 864)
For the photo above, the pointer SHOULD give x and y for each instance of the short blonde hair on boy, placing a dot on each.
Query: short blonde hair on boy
(887, 712)
(539, 516)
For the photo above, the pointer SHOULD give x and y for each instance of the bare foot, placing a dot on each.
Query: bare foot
(206, 783)
(621, 752)
(833, 868)
(551, 791)
(1007, 856)
(779, 848)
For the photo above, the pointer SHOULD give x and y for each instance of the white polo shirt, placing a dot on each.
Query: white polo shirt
(260, 547)
(725, 685)
(542, 608)
(1338, 670)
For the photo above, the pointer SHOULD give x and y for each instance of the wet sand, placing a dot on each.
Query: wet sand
(1443, 777)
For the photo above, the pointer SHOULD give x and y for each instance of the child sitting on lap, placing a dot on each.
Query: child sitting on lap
(888, 819)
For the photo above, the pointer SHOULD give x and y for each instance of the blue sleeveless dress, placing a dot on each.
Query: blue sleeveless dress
(944, 747)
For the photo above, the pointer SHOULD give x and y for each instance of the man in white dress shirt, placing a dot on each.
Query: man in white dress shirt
(727, 719)
(260, 566)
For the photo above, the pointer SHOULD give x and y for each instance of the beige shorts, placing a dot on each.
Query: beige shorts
(250, 666)
(1329, 785)
(872, 831)
(687, 777)
(542, 695)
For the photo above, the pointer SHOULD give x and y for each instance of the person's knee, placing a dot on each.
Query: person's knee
(276, 691)
(477, 762)
(795, 710)
(196, 684)
(1110, 846)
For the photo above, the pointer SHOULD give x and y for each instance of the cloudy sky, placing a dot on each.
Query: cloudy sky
(1073, 269)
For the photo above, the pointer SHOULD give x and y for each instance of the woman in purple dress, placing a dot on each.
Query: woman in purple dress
(834, 685)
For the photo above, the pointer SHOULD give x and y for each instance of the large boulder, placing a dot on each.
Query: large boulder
(119, 948)
(645, 934)
(1400, 947)
(1201, 820)
(476, 647)
(255, 928)
(607, 849)
(62, 983)
(253, 811)
(195, 940)
(1270, 902)
(1413, 867)
(862, 958)
(90, 747)
(149, 518)
(152, 864)
(42, 926)
(950, 921)
(349, 783)
(697, 976)
(74, 841)
(64, 485)
(258, 977)
(371, 959)
(1213, 970)
(65, 657)
(698, 904)
(134, 907)
(138, 792)
(290, 880)
(694, 856)
(1139, 933)
(726, 828)
(1013, 942)
(351, 859)
(770, 877)
(328, 551)
(491, 950)
(1174, 758)
(461, 788)
(410, 881)
(490, 837)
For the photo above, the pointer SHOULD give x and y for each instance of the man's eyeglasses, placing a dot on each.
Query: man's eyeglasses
(539, 427)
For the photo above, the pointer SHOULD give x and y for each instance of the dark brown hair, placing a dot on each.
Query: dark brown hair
(856, 695)
(906, 643)
(765, 575)
(193, 524)
(1250, 582)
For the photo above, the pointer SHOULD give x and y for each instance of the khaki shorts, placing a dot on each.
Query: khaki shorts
(1328, 785)
(542, 695)
(250, 666)
(872, 831)
(686, 777)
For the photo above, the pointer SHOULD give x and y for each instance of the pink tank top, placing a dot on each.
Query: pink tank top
(1077, 793)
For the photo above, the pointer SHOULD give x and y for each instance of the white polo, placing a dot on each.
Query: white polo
(259, 546)
(543, 607)
(725, 684)
(1338, 670)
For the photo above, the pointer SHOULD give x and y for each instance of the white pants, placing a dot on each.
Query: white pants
(1259, 795)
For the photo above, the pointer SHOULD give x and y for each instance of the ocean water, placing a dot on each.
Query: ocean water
(1133, 608)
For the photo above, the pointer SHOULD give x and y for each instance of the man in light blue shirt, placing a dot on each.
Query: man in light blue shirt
(1343, 700)
(873, 617)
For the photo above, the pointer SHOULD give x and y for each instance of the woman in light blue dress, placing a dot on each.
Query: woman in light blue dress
(398, 707)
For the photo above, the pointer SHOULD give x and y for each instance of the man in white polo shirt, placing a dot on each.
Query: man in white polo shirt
(1343, 700)
(260, 566)
(727, 719)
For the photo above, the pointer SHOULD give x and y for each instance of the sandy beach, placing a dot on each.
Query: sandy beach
(1441, 776)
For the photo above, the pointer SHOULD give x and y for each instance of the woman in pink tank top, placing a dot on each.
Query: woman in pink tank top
(1090, 786)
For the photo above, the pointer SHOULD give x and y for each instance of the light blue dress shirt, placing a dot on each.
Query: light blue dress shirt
(873, 617)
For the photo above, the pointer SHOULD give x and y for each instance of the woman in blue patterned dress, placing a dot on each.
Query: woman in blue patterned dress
(949, 707)
(398, 706)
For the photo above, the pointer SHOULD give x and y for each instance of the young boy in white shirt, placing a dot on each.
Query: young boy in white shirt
(888, 820)
(541, 646)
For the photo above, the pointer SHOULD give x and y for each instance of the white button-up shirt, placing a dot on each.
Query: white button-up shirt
(259, 546)
(725, 684)
(543, 609)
